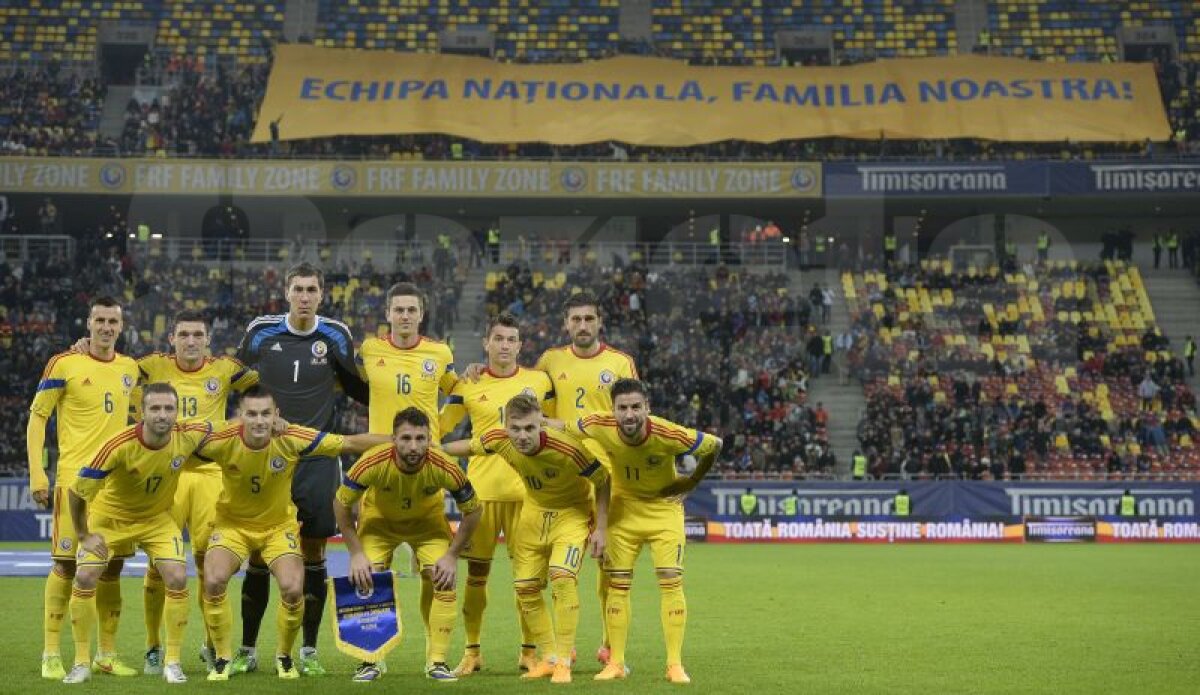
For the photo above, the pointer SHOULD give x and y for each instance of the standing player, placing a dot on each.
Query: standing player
(122, 501)
(204, 385)
(555, 525)
(583, 372)
(406, 481)
(647, 509)
(498, 486)
(406, 370)
(255, 516)
(90, 395)
(299, 356)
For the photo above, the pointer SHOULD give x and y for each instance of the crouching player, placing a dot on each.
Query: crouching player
(402, 485)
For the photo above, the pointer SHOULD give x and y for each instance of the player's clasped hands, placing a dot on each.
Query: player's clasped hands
(360, 572)
(41, 497)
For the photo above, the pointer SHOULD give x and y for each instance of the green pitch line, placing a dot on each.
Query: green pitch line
(797, 619)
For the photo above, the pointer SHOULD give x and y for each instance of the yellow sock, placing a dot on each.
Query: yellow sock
(83, 621)
(200, 597)
(288, 620)
(218, 618)
(176, 611)
(153, 594)
(441, 625)
(426, 607)
(474, 603)
(533, 607)
(108, 605)
(617, 609)
(58, 594)
(602, 592)
(565, 589)
(673, 610)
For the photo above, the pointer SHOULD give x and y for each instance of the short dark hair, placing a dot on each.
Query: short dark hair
(626, 386)
(410, 416)
(104, 300)
(189, 316)
(304, 270)
(405, 289)
(257, 391)
(159, 387)
(505, 319)
(579, 299)
(521, 405)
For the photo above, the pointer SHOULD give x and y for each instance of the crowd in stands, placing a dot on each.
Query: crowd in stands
(719, 349)
(44, 112)
(1050, 371)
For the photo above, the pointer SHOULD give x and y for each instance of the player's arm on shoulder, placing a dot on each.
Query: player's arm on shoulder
(454, 411)
(241, 377)
(358, 443)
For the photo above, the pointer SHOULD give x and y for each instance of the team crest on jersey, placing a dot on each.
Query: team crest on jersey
(65, 543)
(214, 537)
(528, 392)
(177, 463)
(320, 349)
(431, 489)
(607, 377)
(653, 461)
(429, 366)
(127, 381)
(277, 464)
(211, 385)
(551, 473)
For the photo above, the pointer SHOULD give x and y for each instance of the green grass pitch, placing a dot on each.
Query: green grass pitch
(796, 619)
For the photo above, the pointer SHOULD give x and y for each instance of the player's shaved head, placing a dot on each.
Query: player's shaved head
(159, 388)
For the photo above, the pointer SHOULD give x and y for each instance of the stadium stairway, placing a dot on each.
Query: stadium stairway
(844, 403)
(112, 118)
(466, 336)
(1175, 297)
(970, 16)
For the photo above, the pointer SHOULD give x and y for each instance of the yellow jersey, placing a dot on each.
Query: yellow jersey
(406, 498)
(130, 481)
(400, 378)
(581, 384)
(256, 484)
(556, 475)
(483, 402)
(642, 470)
(91, 399)
(203, 392)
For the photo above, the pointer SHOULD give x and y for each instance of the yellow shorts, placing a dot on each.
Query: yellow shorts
(63, 539)
(271, 543)
(550, 539)
(633, 523)
(380, 537)
(497, 517)
(196, 506)
(159, 536)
